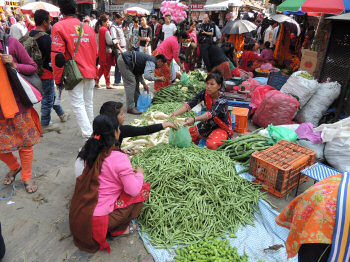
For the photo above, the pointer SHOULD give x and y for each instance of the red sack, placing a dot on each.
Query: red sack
(250, 84)
(258, 95)
(276, 108)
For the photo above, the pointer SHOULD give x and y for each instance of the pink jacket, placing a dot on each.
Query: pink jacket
(117, 175)
(169, 48)
(64, 36)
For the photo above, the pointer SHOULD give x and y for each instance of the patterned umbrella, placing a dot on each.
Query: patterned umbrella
(30, 8)
(136, 11)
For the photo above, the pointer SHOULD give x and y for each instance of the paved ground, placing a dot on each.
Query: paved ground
(35, 227)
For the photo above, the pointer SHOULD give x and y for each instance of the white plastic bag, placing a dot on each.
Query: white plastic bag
(325, 95)
(300, 87)
(337, 150)
(318, 148)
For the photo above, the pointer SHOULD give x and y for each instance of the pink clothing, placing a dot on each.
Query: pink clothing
(117, 175)
(266, 54)
(169, 48)
(192, 35)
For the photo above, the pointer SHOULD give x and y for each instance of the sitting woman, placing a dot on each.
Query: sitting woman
(248, 57)
(267, 53)
(219, 61)
(230, 53)
(215, 125)
(109, 193)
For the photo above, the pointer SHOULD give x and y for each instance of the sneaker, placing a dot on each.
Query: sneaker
(51, 128)
(64, 117)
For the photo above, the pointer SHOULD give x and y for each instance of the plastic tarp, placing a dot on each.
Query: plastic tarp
(221, 6)
(254, 240)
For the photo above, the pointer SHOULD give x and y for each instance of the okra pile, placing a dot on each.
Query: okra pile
(241, 148)
(214, 250)
(195, 194)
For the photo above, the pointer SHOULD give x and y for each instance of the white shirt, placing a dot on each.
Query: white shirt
(275, 34)
(268, 35)
(169, 30)
(18, 31)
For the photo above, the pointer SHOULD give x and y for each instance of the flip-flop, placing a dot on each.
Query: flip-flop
(13, 177)
(30, 186)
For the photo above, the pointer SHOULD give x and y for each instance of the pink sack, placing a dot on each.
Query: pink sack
(276, 108)
(258, 95)
(251, 84)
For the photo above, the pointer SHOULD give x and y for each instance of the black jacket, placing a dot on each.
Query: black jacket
(136, 61)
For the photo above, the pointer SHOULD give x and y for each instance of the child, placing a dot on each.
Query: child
(267, 53)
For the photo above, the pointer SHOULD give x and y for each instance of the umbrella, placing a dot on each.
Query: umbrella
(284, 18)
(290, 5)
(326, 6)
(30, 8)
(238, 27)
(136, 11)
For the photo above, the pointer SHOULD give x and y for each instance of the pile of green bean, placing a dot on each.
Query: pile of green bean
(210, 249)
(195, 194)
(168, 108)
(173, 93)
(241, 148)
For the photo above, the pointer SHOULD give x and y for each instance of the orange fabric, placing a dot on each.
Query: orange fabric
(36, 119)
(26, 156)
(238, 43)
(282, 45)
(293, 62)
(215, 138)
(163, 71)
(8, 103)
(194, 134)
(311, 216)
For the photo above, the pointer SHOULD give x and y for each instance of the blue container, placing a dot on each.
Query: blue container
(234, 103)
(202, 143)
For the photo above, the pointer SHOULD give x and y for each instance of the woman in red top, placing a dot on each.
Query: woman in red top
(106, 59)
(248, 57)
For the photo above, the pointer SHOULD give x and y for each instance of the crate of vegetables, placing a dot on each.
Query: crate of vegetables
(278, 167)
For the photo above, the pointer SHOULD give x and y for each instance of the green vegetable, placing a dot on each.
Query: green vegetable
(210, 249)
(168, 108)
(195, 193)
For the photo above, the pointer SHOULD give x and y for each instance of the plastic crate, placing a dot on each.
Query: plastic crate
(278, 167)
(241, 121)
(242, 104)
(277, 80)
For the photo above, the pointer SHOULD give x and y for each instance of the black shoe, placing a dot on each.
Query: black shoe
(134, 112)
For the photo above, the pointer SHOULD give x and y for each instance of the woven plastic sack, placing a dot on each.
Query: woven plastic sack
(180, 138)
(317, 106)
(278, 133)
(318, 148)
(300, 87)
(144, 102)
(258, 95)
(276, 108)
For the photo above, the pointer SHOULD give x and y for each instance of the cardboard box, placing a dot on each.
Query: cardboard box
(309, 61)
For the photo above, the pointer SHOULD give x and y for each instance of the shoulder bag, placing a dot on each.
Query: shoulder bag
(71, 73)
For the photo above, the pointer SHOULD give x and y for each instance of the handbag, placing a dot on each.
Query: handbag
(71, 73)
(35, 81)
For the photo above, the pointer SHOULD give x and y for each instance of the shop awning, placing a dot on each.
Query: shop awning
(147, 6)
(340, 17)
(214, 5)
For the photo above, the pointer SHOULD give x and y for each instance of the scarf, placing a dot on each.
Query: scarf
(218, 121)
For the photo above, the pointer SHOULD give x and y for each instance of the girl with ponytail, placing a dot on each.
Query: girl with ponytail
(109, 193)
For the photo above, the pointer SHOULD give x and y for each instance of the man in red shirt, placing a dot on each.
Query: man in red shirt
(65, 36)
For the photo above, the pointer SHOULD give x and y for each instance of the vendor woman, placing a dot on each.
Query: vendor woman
(214, 125)
(109, 193)
(319, 221)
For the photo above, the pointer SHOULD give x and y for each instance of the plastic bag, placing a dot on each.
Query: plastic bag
(180, 138)
(317, 106)
(300, 87)
(144, 102)
(258, 95)
(261, 80)
(184, 79)
(305, 131)
(278, 133)
(251, 84)
(276, 108)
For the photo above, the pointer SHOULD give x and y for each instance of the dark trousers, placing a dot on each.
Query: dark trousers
(313, 252)
(154, 43)
(203, 48)
(47, 102)
(2, 245)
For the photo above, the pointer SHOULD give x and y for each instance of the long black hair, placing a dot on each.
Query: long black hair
(111, 109)
(217, 76)
(103, 138)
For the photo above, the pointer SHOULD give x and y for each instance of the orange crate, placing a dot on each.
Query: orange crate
(278, 167)
(241, 118)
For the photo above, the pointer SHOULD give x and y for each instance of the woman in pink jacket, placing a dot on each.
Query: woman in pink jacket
(105, 57)
(109, 193)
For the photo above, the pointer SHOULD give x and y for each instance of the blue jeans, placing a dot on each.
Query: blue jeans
(117, 74)
(47, 102)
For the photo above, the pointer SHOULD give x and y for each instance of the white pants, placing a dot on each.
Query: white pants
(81, 99)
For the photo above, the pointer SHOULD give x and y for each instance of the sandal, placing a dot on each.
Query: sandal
(11, 178)
(132, 230)
(30, 187)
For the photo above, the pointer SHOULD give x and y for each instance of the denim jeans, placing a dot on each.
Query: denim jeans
(47, 102)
